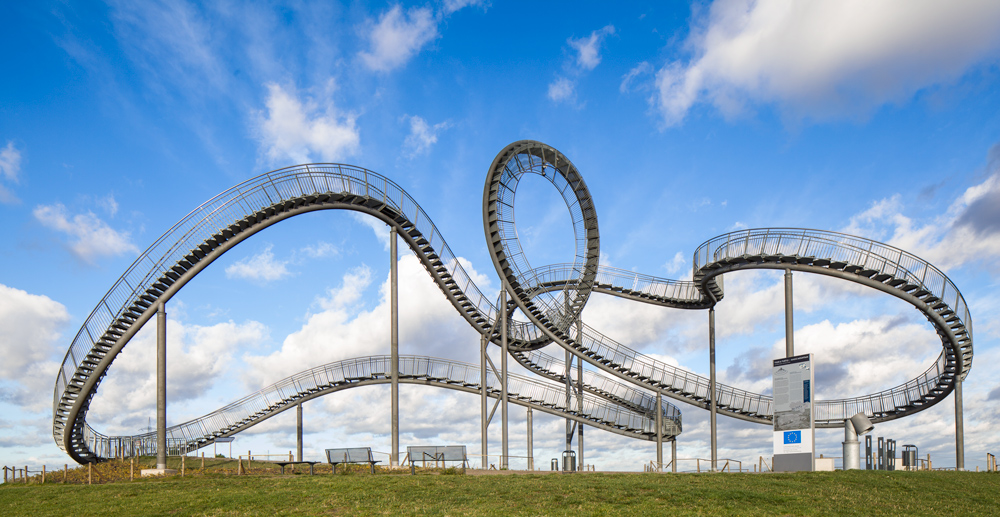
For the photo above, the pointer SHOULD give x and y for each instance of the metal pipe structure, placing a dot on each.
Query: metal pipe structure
(852, 448)
(161, 386)
(659, 433)
(713, 403)
(531, 445)
(503, 378)
(394, 342)
(298, 431)
(789, 325)
(959, 429)
(673, 455)
(483, 417)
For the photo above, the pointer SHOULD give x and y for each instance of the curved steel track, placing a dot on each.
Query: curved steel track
(551, 297)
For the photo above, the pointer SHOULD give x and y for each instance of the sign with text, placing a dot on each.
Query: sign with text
(794, 424)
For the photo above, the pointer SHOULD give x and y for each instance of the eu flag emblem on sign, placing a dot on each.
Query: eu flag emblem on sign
(793, 437)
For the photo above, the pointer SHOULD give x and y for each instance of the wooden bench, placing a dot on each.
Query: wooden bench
(283, 463)
(356, 455)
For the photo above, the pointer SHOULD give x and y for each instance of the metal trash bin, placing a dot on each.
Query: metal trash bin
(910, 457)
(569, 461)
(555, 464)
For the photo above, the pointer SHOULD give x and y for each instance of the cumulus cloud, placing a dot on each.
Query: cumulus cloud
(422, 135)
(10, 168)
(588, 49)
(30, 328)
(261, 267)
(676, 264)
(90, 237)
(320, 250)
(297, 129)
(588, 56)
(970, 224)
(198, 357)
(345, 327)
(824, 59)
(398, 36)
(451, 6)
(562, 89)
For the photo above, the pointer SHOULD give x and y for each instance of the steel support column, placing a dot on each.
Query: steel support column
(484, 416)
(579, 393)
(298, 431)
(569, 390)
(161, 386)
(713, 403)
(789, 326)
(659, 431)
(673, 455)
(959, 428)
(394, 343)
(531, 445)
(503, 378)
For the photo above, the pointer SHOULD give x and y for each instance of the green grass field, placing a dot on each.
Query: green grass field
(216, 492)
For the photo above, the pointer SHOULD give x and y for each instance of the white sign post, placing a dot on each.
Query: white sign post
(794, 421)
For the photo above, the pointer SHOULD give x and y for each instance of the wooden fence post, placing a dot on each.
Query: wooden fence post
(24, 475)
(203, 461)
(182, 464)
(131, 469)
(43, 474)
(90, 472)
(65, 472)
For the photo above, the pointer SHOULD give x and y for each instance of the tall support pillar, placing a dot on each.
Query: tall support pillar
(579, 396)
(789, 325)
(298, 431)
(484, 416)
(852, 448)
(161, 386)
(659, 431)
(959, 428)
(673, 455)
(569, 389)
(531, 444)
(394, 343)
(503, 380)
(713, 403)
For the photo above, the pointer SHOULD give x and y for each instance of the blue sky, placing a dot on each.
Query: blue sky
(687, 121)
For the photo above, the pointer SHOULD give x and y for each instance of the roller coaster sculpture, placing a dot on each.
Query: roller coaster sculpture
(551, 298)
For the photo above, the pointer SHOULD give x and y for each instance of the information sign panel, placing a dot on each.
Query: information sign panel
(794, 422)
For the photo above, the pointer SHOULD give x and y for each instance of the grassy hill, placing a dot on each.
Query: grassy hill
(218, 491)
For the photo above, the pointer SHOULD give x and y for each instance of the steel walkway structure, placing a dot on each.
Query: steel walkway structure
(633, 418)
(551, 297)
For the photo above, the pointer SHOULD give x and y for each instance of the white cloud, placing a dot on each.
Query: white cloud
(969, 231)
(261, 267)
(562, 89)
(345, 328)
(825, 59)
(91, 237)
(109, 204)
(198, 357)
(320, 250)
(10, 168)
(30, 327)
(380, 229)
(296, 129)
(398, 36)
(641, 69)
(676, 264)
(451, 6)
(422, 135)
(588, 49)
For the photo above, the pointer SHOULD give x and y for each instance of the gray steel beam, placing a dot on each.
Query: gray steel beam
(531, 445)
(789, 325)
(298, 431)
(569, 383)
(579, 402)
(673, 455)
(484, 418)
(959, 428)
(161, 386)
(713, 404)
(394, 343)
(659, 432)
(503, 378)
